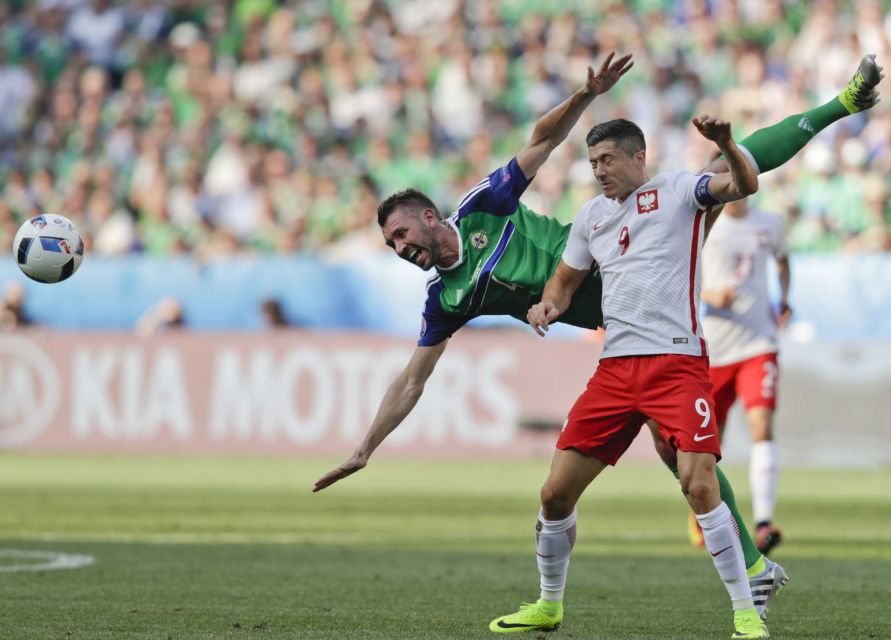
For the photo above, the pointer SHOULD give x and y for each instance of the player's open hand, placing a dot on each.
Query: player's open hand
(348, 468)
(609, 73)
(785, 314)
(718, 131)
(725, 298)
(541, 315)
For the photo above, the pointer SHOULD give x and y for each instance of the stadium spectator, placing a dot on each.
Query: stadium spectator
(18, 90)
(12, 312)
(166, 315)
(250, 126)
(95, 29)
(273, 314)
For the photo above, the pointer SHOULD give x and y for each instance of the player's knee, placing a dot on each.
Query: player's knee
(699, 490)
(556, 503)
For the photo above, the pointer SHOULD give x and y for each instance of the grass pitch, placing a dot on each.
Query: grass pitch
(240, 548)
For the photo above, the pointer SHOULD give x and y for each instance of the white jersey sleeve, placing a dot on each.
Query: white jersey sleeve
(693, 190)
(576, 254)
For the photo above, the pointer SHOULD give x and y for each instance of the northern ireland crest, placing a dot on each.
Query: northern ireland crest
(479, 240)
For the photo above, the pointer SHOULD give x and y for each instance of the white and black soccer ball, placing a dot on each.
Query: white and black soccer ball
(48, 248)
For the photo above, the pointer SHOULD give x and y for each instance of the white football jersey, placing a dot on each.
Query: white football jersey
(737, 255)
(649, 251)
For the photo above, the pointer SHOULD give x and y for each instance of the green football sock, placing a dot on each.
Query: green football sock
(775, 145)
(750, 551)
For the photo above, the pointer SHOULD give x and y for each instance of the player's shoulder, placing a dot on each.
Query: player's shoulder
(470, 198)
(454, 219)
(434, 282)
(597, 203)
(668, 181)
(687, 189)
(670, 177)
(598, 206)
(673, 179)
(498, 193)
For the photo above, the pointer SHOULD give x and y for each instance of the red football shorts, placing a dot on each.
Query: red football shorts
(673, 390)
(754, 380)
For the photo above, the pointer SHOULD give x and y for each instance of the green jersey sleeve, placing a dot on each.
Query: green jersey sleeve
(498, 193)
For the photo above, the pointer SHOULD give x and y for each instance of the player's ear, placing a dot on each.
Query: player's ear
(430, 217)
(640, 158)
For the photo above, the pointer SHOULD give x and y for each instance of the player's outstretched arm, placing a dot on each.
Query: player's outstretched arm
(741, 180)
(401, 397)
(556, 297)
(553, 127)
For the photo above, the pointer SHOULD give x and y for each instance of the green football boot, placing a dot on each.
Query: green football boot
(861, 94)
(766, 585)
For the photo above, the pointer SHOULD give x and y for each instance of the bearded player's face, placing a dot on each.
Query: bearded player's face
(410, 233)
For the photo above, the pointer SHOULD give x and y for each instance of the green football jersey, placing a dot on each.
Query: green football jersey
(507, 253)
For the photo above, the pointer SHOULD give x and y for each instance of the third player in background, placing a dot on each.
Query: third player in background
(740, 323)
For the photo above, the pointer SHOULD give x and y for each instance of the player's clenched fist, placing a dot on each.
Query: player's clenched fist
(718, 131)
(541, 315)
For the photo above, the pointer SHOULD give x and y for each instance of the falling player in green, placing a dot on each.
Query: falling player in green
(493, 256)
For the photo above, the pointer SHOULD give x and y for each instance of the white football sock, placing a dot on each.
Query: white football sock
(554, 540)
(722, 540)
(763, 472)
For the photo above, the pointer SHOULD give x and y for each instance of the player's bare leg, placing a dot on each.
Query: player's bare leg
(698, 481)
(571, 473)
(763, 474)
(700, 484)
(667, 454)
(766, 577)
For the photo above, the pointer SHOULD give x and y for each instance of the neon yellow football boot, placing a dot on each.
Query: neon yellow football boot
(861, 94)
(749, 625)
(541, 616)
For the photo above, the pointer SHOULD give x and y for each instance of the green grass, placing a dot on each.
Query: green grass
(240, 548)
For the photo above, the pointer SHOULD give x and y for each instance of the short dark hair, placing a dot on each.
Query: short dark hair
(407, 198)
(625, 133)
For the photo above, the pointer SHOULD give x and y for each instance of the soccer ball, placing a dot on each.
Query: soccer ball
(48, 248)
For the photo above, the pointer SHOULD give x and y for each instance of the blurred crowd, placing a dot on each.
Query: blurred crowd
(256, 125)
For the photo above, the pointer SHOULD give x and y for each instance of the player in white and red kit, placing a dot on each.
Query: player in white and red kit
(646, 237)
(741, 327)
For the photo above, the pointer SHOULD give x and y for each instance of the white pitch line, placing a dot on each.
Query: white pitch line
(51, 560)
